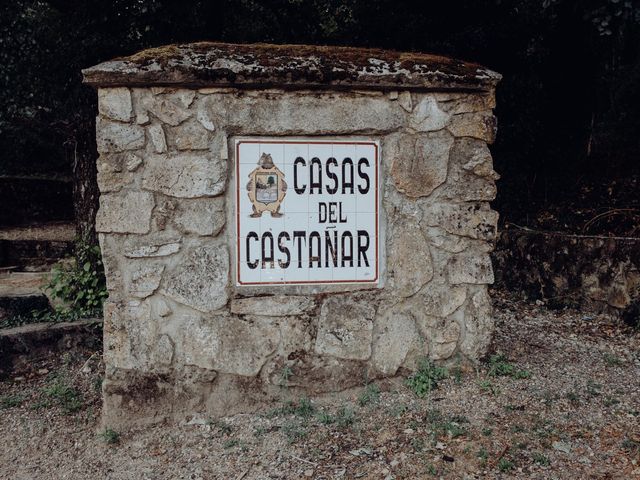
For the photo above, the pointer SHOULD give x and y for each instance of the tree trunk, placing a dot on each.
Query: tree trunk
(85, 186)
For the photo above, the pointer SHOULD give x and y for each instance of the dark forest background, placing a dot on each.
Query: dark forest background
(568, 108)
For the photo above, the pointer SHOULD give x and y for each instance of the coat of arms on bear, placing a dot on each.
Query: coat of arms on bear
(266, 187)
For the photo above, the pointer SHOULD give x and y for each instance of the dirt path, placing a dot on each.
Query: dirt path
(563, 402)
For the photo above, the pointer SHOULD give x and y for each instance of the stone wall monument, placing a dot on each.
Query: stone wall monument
(288, 216)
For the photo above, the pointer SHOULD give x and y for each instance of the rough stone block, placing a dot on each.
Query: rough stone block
(444, 341)
(396, 333)
(467, 187)
(185, 175)
(441, 300)
(420, 162)
(272, 306)
(190, 135)
(181, 96)
(228, 344)
(145, 249)
(158, 139)
(473, 156)
(202, 216)
(205, 117)
(285, 114)
(472, 267)
(145, 280)
(116, 215)
(481, 125)
(115, 103)
(118, 137)
(471, 220)
(165, 110)
(200, 281)
(457, 103)
(345, 328)
(479, 325)
(427, 116)
(409, 266)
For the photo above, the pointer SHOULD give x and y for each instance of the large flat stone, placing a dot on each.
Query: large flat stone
(289, 114)
(200, 281)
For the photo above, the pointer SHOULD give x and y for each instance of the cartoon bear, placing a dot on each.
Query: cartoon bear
(266, 168)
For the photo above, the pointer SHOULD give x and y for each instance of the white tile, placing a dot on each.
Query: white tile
(249, 152)
(272, 275)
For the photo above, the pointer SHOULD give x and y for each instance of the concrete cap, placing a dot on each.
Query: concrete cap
(257, 66)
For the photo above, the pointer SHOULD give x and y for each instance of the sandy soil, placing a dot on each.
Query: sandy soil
(567, 406)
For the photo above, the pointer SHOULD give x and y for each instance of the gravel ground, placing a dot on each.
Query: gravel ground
(562, 402)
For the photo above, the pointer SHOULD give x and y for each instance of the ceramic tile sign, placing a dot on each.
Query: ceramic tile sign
(306, 211)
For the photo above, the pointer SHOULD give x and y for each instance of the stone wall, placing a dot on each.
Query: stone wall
(180, 338)
(594, 273)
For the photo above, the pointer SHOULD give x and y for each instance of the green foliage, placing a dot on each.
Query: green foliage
(345, 417)
(285, 374)
(445, 426)
(110, 436)
(504, 465)
(431, 469)
(221, 426)
(325, 418)
(499, 366)
(302, 408)
(64, 394)
(483, 455)
(81, 284)
(294, 431)
(10, 401)
(611, 360)
(540, 459)
(426, 378)
(371, 394)
(230, 443)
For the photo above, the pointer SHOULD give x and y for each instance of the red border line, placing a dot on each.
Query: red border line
(302, 282)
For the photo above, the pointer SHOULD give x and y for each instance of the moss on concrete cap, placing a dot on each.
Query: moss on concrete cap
(209, 64)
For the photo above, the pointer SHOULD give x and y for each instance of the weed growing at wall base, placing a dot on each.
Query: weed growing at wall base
(426, 378)
(110, 436)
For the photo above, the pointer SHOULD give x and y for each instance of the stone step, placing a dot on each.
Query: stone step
(23, 305)
(35, 247)
(21, 293)
(21, 346)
